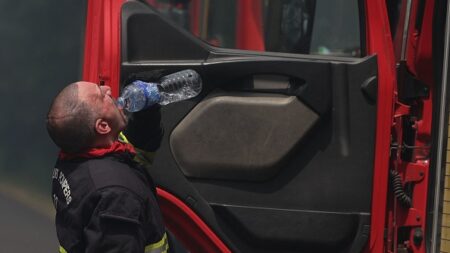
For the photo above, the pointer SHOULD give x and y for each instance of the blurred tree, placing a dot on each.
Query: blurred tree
(41, 45)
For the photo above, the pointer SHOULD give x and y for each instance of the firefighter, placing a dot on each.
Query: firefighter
(104, 198)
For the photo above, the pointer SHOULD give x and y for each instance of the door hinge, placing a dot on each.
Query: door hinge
(408, 171)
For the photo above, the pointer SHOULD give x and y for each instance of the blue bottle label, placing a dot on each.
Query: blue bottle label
(151, 92)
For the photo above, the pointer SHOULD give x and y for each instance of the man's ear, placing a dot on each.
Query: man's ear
(102, 126)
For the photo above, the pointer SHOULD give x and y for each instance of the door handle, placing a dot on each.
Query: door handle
(272, 84)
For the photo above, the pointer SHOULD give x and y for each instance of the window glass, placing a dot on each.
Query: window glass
(290, 26)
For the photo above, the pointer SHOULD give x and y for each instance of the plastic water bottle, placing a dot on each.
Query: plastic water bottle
(175, 87)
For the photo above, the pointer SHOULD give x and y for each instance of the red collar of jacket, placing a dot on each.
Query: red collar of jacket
(116, 147)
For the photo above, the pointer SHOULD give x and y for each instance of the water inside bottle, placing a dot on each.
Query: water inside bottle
(180, 86)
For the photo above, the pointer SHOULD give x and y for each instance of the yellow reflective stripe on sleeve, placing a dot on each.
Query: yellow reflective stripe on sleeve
(62, 250)
(159, 247)
(123, 138)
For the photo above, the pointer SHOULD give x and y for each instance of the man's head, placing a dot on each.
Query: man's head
(83, 116)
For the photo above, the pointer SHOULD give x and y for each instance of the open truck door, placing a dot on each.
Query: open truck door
(290, 145)
(276, 155)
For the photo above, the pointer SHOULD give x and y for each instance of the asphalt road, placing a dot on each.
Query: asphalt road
(26, 222)
(25, 229)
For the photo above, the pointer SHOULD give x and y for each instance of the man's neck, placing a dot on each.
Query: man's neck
(105, 141)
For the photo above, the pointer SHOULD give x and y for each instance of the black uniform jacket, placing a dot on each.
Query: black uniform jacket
(106, 202)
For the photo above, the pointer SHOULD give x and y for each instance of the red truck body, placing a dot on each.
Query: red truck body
(405, 122)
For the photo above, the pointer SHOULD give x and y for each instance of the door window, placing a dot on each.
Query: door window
(291, 26)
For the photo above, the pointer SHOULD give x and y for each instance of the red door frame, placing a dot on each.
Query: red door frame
(102, 43)
(379, 42)
(419, 63)
(385, 209)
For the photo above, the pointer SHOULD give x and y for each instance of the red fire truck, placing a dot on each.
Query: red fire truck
(321, 126)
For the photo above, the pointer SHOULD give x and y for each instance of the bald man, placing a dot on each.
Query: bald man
(103, 195)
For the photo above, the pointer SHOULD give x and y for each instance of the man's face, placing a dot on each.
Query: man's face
(100, 98)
